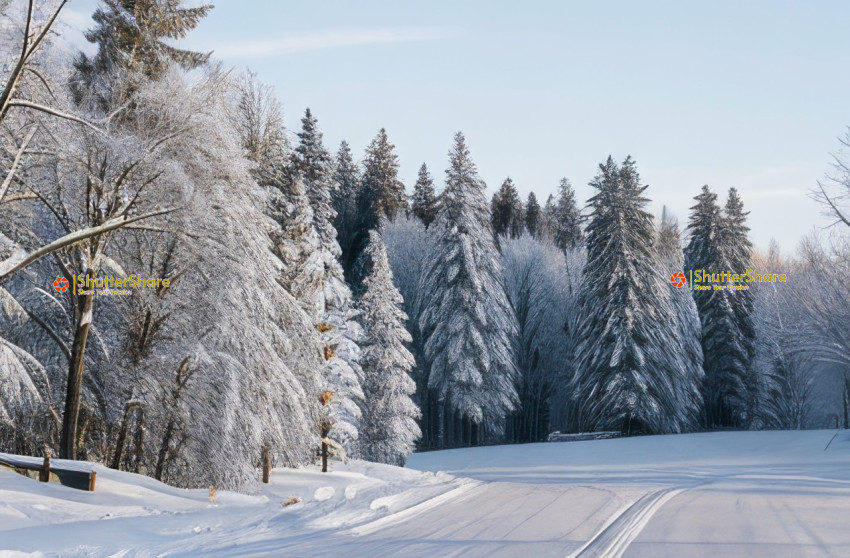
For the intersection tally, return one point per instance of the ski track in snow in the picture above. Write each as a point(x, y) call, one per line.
point(613, 540)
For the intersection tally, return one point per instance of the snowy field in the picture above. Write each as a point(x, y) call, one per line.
point(717, 494)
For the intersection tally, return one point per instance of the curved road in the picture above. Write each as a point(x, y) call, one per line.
point(717, 494)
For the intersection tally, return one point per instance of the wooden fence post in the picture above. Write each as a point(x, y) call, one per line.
point(44, 474)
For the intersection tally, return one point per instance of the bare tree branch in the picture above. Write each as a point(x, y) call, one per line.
point(19, 197)
point(832, 205)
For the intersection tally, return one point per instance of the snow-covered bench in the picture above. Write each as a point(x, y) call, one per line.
point(75, 474)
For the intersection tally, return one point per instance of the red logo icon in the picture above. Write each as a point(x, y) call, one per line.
point(61, 284)
point(677, 279)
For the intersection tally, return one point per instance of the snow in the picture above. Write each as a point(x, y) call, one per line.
point(726, 493)
point(324, 493)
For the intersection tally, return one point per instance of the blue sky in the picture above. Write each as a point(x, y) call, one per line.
point(745, 94)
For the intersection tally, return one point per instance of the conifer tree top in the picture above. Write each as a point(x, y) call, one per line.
point(313, 159)
point(464, 188)
point(131, 33)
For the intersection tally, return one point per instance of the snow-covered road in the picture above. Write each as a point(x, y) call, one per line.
point(718, 494)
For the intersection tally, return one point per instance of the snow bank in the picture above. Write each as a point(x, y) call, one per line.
point(130, 513)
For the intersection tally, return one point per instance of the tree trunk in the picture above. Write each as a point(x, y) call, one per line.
point(122, 436)
point(139, 440)
point(267, 463)
point(183, 375)
point(163, 449)
point(67, 442)
point(325, 429)
point(441, 431)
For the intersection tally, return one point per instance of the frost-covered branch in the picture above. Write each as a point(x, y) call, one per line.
point(20, 261)
point(27, 51)
point(16, 163)
point(53, 112)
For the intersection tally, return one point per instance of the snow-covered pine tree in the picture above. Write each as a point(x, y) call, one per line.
point(507, 216)
point(737, 243)
point(381, 195)
point(336, 320)
point(684, 330)
point(389, 429)
point(424, 199)
point(725, 358)
point(532, 215)
point(547, 220)
point(134, 36)
point(346, 177)
point(383, 192)
point(313, 163)
point(308, 269)
point(625, 377)
point(567, 218)
point(467, 322)
point(406, 240)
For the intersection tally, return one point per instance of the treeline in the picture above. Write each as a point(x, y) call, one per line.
point(310, 296)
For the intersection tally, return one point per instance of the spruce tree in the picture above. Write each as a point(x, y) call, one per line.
point(567, 218)
point(381, 195)
point(466, 320)
point(340, 333)
point(737, 243)
point(424, 199)
point(133, 35)
point(389, 428)
point(532, 215)
point(684, 330)
point(725, 390)
point(548, 220)
point(312, 162)
point(506, 210)
point(383, 192)
point(346, 177)
point(626, 378)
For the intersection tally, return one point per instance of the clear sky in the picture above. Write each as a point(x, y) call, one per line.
point(726, 93)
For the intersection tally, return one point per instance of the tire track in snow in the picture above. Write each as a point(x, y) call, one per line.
point(615, 537)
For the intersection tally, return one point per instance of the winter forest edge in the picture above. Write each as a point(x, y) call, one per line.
point(302, 294)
